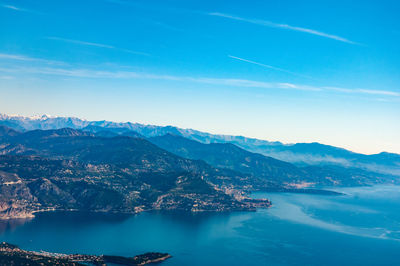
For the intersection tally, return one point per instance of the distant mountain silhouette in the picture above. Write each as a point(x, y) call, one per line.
point(227, 155)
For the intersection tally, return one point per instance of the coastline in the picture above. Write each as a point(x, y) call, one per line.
point(13, 255)
point(249, 205)
point(264, 203)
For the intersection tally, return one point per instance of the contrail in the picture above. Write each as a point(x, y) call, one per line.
point(268, 66)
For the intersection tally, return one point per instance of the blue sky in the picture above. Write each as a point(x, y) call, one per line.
point(293, 71)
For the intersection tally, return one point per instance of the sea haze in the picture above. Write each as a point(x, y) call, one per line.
point(361, 227)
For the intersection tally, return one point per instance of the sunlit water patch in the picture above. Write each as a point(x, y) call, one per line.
point(362, 211)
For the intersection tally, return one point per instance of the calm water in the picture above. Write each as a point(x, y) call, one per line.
point(361, 228)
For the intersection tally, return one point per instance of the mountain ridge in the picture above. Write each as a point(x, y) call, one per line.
point(111, 124)
point(300, 154)
point(68, 169)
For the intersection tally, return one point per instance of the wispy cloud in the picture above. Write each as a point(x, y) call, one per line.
point(65, 70)
point(268, 66)
point(90, 73)
point(365, 91)
point(19, 57)
point(270, 24)
point(16, 57)
point(12, 7)
point(81, 42)
point(100, 45)
point(16, 8)
point(104, 74)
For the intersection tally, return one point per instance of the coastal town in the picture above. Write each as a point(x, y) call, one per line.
point(13, 255)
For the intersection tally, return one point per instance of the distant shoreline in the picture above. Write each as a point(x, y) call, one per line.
point(312, 191)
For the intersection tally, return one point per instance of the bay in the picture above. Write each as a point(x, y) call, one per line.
point(361, 227)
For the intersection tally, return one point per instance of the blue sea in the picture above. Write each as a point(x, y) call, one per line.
point(361, 227)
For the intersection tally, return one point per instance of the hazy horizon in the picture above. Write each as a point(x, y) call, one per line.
point(38, 116)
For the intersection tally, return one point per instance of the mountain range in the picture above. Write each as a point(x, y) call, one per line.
point(280, 173)
point(62, 163)
point(69, 169)
point(300, 154)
